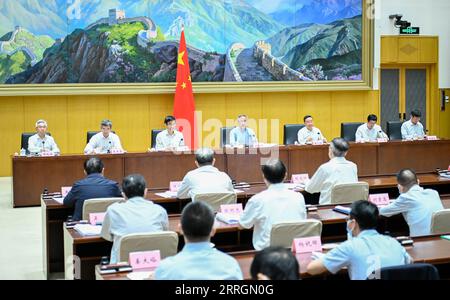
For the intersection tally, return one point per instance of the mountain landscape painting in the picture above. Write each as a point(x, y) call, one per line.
point(136, 41)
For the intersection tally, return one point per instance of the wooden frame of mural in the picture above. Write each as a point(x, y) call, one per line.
point(217, 87)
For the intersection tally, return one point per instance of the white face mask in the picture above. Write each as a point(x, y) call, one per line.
point(349, 231)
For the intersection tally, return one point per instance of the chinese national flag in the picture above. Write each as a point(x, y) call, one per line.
point(184, 106)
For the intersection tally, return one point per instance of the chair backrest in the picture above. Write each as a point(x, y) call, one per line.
point(290, 133)
point(349, 192)
point(419, 271)
point(25, 137)
point(348, 131)
point(98, 205)
point(282, 234)
point(394, 130)
point(164, 241)
point(440, 222)
point(154, 134)
point(225, 136)
point(90, 134)
point(215, 200)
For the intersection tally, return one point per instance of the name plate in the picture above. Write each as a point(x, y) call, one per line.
point(379, 199)
point(382, 140)
point(47, 154)
point(65, 190)
point(145, 259)
point(318, 142)
point(432, 138)
point(96, 218)
point(174, 186)
point(117, 151)
point(234, 209)
point(299, 178)
point(307, 245)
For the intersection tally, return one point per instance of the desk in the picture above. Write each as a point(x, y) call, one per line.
point(159, 168)
point(90, 249)
point(431, 249)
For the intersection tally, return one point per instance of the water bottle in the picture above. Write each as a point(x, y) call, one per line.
point(23, 152)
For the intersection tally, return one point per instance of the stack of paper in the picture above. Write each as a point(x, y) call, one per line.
point(167, 194)
point(445, 175)
point(342, 209)
point(88, 229)
point(228, 218)
point(59, 199)
point(295, 186)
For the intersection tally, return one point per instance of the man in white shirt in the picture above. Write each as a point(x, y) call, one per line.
point(135, 215)
point(104, 141)
point(415, 203)
point(413, 129)
point(170, 138)
point(242, 135)
point(206, 178)
point(338, 170)
point(370, 131)
point(275, 205)
point(41, 141)
point(309, 133)
point(366, 251)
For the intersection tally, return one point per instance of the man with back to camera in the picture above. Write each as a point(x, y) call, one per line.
point(104, 141)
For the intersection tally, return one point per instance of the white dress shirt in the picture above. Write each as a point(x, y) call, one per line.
point(275, 205)
point(102, 144)
point(364, 134)
point(244, 137)
point(206, 179)
point(136, 215)
point(304, 133)
point(164, 140)
point(411, 131)
point(338, 170)
point(417, 206)
point(36, 144)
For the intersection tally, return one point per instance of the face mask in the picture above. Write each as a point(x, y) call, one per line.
point(349, 231)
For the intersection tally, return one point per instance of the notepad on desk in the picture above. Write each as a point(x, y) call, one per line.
point(88, 229)
point(60, 200)
point(167, 194)
point(228, 218)
point(445, 237)
point(342, 209)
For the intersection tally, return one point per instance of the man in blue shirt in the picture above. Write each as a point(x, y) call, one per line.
point(135, 215)
point(242, 135)
point(415, 203)
point(95, 185)
point(198, 260)
point(366, 251)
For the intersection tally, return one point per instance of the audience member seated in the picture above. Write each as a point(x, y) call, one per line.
point(275, 263)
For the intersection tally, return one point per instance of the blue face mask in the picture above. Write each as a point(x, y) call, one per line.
point(349, 232)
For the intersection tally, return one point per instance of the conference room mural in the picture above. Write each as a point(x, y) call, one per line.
point(128, 41)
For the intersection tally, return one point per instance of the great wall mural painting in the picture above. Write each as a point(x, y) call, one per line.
point(131, 41)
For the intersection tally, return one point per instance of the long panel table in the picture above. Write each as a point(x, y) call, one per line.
point(32, 175)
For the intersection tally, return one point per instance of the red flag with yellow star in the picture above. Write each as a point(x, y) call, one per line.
point(184, 106)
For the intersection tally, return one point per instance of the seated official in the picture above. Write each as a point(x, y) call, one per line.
point(135, 215)
point(338, 170)
point(370, 131)
point(41, 141)
point(413, 129)
point(198, 260)
point(170, 138)
point(416, 204)
point(275, 205)
point(104, 141)
point(242, 135)
point(95, 185)
point(206, 178)
point(275, 263)
point(309, 133)
point(366, 251)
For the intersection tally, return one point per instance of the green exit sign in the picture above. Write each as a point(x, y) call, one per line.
point(410, 30)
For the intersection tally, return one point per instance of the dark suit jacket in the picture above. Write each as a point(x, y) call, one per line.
point(93, 186)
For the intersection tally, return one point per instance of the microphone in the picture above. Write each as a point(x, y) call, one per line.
point(110, 146)
point(43, 146)
point(179, 144)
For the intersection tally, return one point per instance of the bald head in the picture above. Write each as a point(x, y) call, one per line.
point(407, 178)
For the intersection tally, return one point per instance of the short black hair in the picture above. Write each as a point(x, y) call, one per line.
point(306, 117)
point(365, 213)
point(134, 186)
point(277, 263)
point(372, 118)
point(416, 113)
point(93, 165)
point(407, 178)
point(339, 147)
point(197, 221)
point(274, 171)
point(169, 119)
